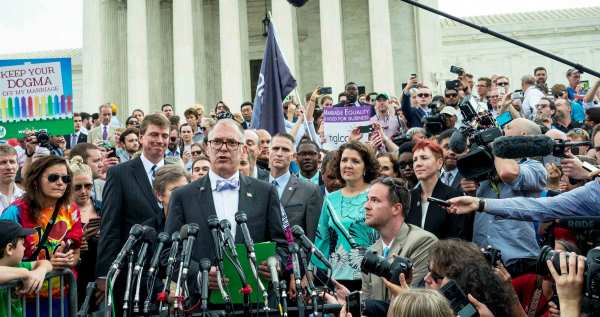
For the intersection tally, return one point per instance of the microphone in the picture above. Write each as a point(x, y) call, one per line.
point(512, 147)
point(241, 219)
point(272, 264)
point(457, 142)
point(162, 238)
point(228, 237)
point(175, 238)
point(188, 233)
point(214, 226)
point(283, 309)
point(135, 233)
point(148, 238)
point(293, 250)
point(308, 245)
point(205, 267)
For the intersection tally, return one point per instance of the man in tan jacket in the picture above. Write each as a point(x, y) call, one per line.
point(384, 211)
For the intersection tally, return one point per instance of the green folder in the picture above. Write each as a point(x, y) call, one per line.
point(263, 251)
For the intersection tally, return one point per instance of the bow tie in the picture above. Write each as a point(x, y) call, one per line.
point(224, 184)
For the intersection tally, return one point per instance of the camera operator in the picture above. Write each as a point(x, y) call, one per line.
point(513, 178)
point(387, 201)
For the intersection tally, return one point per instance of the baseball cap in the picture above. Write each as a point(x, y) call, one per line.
point(382, 95)
point(10, 230)
point(449, 111)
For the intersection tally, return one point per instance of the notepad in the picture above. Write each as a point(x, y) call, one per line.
point(263, 250)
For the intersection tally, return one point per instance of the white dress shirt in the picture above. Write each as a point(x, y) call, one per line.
point(226, 202)
point(6, 200)
point(531, 98)
point(148, 167)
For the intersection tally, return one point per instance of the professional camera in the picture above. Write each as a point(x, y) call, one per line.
point(591, 286)
point(479, 131)
point(561, 146)
point(43, 138)
point(378, 265)
point(492, 255)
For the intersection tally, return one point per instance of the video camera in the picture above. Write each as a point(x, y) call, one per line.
point(478, 132)
point(434, 124)
point(378, 265)
point(43, 138)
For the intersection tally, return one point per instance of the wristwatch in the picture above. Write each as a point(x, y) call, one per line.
point(481, 205)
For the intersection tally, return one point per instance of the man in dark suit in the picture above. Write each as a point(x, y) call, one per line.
point(223, 192)
point(301, 200)
point(450, 175)
point(414, 114)
point(78, 136)
point(128, 197)
point(351, 90)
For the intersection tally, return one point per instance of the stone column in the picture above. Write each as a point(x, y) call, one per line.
point(429, 43)
point(138, 90)
point(188, 53)
point(283, 16)
point(382, 59)
point(233, 35)
point(332, 46)
point(92, 68)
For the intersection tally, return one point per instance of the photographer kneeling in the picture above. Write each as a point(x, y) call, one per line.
point(384, 211)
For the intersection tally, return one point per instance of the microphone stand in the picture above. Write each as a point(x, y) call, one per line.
point(283, 309)
point(128, 284)
point(293, 250)
point(177, 303)
point(483, 29)
point(310, 282)
point(213, 225)
point(163, 308)
point(137, 273)
point(233, 256)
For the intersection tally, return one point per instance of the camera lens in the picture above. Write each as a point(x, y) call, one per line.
point(377, 265)
point(546, 254)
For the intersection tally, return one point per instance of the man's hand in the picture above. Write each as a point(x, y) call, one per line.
point(410, 83)
point(394, 289)
point(569, 284)
point(463, 204)
point(469, 186)
point(573, 168)
point(30, 142)
point(213, 280)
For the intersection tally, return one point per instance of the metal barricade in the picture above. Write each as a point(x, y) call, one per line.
point(67, 274)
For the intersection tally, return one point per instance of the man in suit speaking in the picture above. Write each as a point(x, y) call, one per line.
point(224, 191)
point(387, 201)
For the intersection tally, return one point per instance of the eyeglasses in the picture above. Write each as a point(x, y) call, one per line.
point(87, 186)
point(435, 276)
point(423, 95)
point(229, 144)
point(53, 178)
point(196, 152)
point(451, 95)
point(405, 164)
point(502, 84)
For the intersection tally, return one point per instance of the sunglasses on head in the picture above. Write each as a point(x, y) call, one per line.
point(78, 187)
point(423, 95)
point(53, 178)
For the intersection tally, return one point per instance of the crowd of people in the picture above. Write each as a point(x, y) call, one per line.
point(69, 201)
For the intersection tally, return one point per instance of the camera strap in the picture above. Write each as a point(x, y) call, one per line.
point(44, 238)
point(535, 300)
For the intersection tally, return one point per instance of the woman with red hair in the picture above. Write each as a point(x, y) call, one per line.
point(428, 159)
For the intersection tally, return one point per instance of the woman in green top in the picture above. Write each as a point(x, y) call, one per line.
point(342, 234)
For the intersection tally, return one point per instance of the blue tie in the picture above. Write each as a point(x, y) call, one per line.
point(386, 250)
point(224, 184)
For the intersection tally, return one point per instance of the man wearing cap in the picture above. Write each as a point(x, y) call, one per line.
point(389, 121)
point(450, 116)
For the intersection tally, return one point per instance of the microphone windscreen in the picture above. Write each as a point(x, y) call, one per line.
point(175, 236)
point(163, 237)
point(240, 217)
point(272, 261)
point(150, 235)
point(213, 222)
point(136, 230)
point(225, 224)
point(457, 142)
point(513, 147)
point(205, 264)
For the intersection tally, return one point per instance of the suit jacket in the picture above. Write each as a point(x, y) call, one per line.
point(82, 138)
point(96, 134)
point(193, 203)
point(414, 116)
point(456, 181)
point(302, 202)
point(262, 174)
point(411, 242)
point(127, 199)
point(438, 221)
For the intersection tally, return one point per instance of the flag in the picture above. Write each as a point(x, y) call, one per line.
point(275, 82)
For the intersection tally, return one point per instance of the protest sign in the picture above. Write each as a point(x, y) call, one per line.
point(35, 94)
point(340, 121)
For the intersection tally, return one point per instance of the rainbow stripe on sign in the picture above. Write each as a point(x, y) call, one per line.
point(15, 109)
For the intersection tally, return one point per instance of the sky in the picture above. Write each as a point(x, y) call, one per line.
point(44, 25)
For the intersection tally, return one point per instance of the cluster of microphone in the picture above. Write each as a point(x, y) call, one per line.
point(143, 240)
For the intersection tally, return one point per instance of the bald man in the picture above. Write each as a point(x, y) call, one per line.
point(524, 177)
